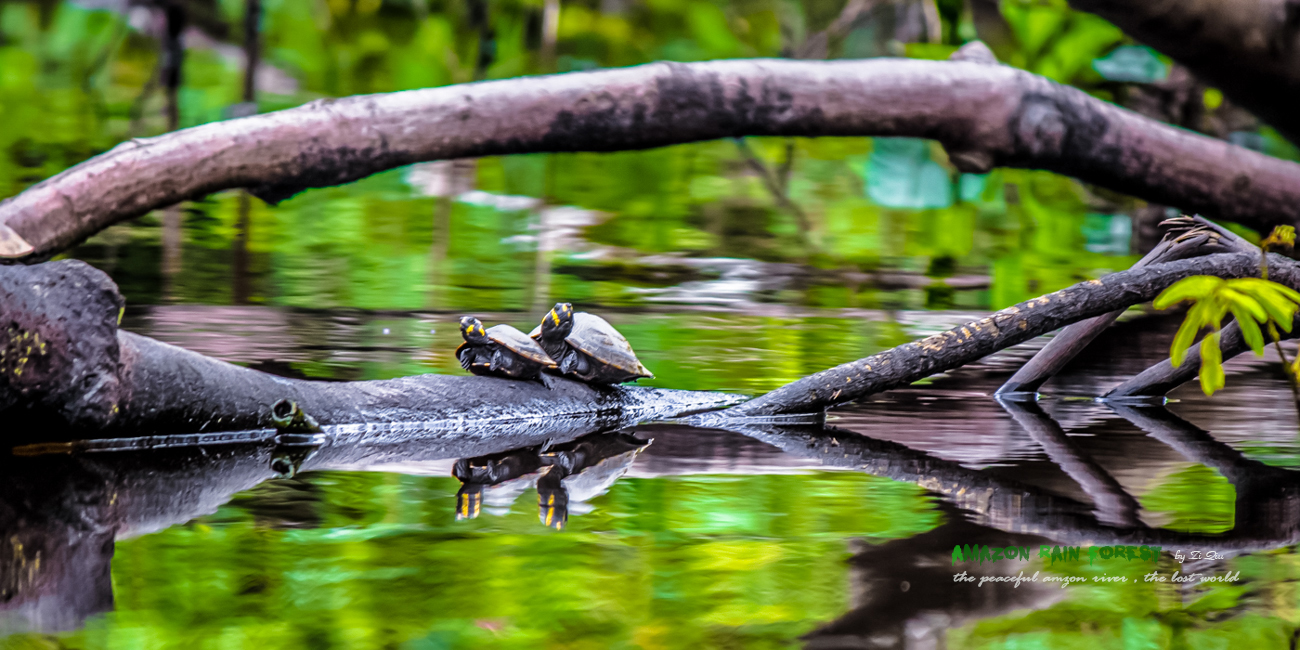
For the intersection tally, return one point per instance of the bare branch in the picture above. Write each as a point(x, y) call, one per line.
point(907, 363)
point(985, 115)
point(1190, 237)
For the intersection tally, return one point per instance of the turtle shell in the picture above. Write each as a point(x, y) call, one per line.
point(595, 337)
point(519, 343)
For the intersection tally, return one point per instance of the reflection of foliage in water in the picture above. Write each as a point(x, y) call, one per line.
point(1196, 499)
point(692, 562)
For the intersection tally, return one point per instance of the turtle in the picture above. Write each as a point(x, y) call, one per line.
point(501, 351)
point(587, 347)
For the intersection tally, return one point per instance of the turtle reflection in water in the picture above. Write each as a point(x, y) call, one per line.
point(588, 347)
point(566, 476)
point(475, 474)
point(501, 351)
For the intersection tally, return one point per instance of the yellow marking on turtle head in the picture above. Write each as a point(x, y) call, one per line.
point(555, 317)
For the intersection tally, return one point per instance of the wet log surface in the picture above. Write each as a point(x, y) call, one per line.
point(986, 115)
point(67, 371)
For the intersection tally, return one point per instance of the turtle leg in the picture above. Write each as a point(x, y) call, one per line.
point(546, 380)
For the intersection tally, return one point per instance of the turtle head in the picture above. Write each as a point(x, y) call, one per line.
point(473, 331)
point(558, 322)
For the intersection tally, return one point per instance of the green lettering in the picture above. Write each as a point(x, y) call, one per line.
point(956, 555)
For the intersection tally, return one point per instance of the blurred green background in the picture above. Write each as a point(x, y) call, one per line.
point(830, 236)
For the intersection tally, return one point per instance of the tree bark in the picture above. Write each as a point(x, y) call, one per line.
point(986, 116)
point(907, 363)
point(66, 370)
point(1250, 49)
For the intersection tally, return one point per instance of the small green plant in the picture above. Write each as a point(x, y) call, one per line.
point(1257, 304)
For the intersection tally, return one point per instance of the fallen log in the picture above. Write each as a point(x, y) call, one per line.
point(67, 371)
point(985, 115)
point(907, 363)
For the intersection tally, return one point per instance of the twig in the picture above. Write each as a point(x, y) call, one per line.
point(776, 187)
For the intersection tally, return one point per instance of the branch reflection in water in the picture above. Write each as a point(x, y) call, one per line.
point(61, 514)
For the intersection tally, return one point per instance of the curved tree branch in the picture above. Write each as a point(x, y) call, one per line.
point(907, 363)
point(986, 116)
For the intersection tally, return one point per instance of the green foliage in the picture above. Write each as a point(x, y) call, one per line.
point(1251, 301)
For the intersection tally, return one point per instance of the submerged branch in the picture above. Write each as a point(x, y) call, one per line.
point(1189, 237)
point(985, 115)
point(1163, 377)
point(961, 345)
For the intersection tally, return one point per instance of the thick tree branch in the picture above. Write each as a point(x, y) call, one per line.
point(1247, 48)
point(907, 363)
point(986, 116)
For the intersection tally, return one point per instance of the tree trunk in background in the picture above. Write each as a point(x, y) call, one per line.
point(252, 47)
point(1249, 49)
point(550, 33)
point(173, 58)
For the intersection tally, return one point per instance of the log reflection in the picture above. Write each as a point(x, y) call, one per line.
point(61, 513)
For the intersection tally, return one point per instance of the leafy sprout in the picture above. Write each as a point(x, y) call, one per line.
point(1251, 301)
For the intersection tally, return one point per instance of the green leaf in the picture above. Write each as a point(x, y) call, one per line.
point(1196, 287)
point(1280, 310)
point(1250, 331)
point(1239, 301)
point(1212, 378)
point(1183, 339)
